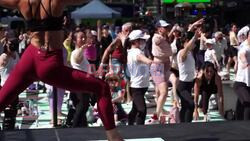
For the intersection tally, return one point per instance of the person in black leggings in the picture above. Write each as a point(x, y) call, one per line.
point(207, 83)
point(81, 103)
point(186, 65)
point(139, 111)
point(138, 67)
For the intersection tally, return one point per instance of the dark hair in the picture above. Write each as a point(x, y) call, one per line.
point(12, 46)
point(233, 24)
point(207, 65)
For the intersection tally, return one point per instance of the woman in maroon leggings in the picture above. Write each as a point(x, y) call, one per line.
point(43, 60)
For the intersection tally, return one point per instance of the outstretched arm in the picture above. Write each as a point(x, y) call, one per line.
point(109, 51)
point(12, 4)
point(144, 59)
point(188, 46)
point(220, 94)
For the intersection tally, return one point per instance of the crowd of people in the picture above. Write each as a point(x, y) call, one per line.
point(110, 64)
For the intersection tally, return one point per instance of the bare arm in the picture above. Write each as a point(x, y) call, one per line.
point(188, 46)
point(99, 31)
point(195, 24)
point(197, 91)
point(119, 98)
point(220, 94)
point(197, 85)
point(172, 31)
point(12, 4)
point(108, 51)
point(215, 60)
point(144, 59)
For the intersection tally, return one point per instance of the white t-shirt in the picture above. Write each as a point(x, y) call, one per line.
point(209, 55)
point(83, 65)
point(219, 47)
point(139, 72)
point(186, 68)
point(243, 74)
point(5, 71)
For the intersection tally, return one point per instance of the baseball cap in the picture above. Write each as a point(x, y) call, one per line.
point(162, 23)
point(210, 41)
point(138, 34)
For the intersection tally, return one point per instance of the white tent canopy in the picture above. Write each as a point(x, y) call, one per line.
point(94, 10)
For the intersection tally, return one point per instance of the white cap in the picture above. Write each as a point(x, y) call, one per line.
point(162, 23)
point(210, 41)
point(93, 32)
point(138, 34)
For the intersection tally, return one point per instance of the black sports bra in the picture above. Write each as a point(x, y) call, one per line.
point(51, 23)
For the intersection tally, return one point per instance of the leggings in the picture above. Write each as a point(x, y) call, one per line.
point(82, 102)
point(139, 110)
point(243, 102)
point(47, 66)
point(184, 91)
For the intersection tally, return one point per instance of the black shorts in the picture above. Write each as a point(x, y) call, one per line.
point(232, 52)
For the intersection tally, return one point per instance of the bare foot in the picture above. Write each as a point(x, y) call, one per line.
point(113, 135)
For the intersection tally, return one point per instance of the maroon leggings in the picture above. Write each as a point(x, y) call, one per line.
point(48, 67)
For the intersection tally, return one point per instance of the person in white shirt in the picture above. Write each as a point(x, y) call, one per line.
point(8, 61)
point(186, 65)
point(242, 82)
point(80, 100)
point(220, 44)
point(138, 67)
point(210, 54)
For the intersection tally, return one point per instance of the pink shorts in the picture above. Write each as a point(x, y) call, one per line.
point(160, 72)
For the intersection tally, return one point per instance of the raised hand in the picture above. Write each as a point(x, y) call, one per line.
point(199, 22)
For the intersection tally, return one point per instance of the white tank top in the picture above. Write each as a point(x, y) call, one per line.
point(139, 72)
point(5, 71)
point(83, 65)
point(243, 75)
point(186, 68)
